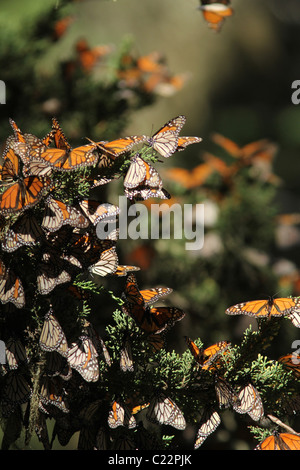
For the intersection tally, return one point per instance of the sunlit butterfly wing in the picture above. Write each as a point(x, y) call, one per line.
point(247, 398)
point(152, 295)
point(11, 288)
point(83, 357)
point(165, 140)
point(96, 211)
point(120, 415)
point(184, 142)
point(163, 410)
point(123, 270)
point(58, 214)
point(291, 362)
point(119, 146)
point(215, 14)
point(68, 160)
point(136, 173)
point(143, 193)
point(52, 336)
point(107, 264)
point(263, 308)
point(60, 140)
point(209, 422)
point(283, 441)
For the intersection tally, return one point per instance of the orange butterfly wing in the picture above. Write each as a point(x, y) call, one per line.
point(263, 308)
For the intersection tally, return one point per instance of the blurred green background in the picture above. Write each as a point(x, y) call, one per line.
point(239, 85)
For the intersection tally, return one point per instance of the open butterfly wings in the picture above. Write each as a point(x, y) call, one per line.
point(283, 441)
point(150, 320)
point(289, 307)
point(215, 14)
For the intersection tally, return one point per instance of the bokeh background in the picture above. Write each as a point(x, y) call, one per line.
point(237, 83)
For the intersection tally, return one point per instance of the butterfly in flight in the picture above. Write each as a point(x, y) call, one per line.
point(215, 13)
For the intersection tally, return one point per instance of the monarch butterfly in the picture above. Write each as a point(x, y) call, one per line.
point(22, 193)
point(51, 272)
point(142, 193)
point(120, 415)
point(16, 389)
point(26, 231)
point(68, 160)
point(150, 320)
point(11, 288)
point(57, 365)
point(83, 357)
point(58, 213)
point(153, 294)
point(52, 392)
point(15, 353)
point(119, 146)
point(209, 422)
point(52, 335)
point(283, 441)
point(206, 357)
point(226, 395)
point(60, 140)
point(165, 140)
point(141, 172)
point(215, 14)
point(107, 263)
point(190, 178)
point(123, 270)
point(126, 360)
point(267, 308)
point(156, 341)
point(96, 211)
point(184, 142)
point(250, 402)
point(291, 362)
point(163, 410)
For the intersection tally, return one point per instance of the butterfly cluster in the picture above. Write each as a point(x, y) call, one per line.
point(48, 242)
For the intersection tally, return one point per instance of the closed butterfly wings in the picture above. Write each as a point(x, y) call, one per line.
point(120, 415)
point(209, 422)
point(163, 410)
point(11, 288)
point(52, 336)
point(83, 357)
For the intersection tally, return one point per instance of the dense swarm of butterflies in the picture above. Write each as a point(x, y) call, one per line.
point(215, 13)
point(46, 241)
point(54, 240)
